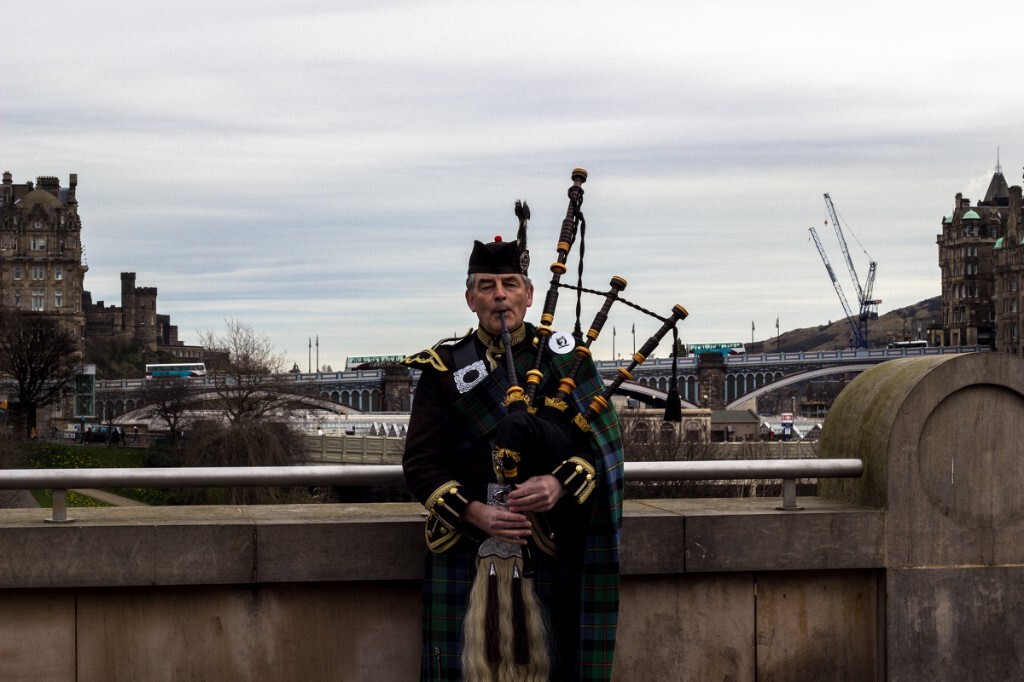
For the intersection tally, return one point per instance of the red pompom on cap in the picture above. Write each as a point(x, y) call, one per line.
point(497, 237)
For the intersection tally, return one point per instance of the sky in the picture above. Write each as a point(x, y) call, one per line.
point(319, 170)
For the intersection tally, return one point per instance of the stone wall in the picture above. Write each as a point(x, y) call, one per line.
point(332, 591)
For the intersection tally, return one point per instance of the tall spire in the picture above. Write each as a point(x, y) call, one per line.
point(998, 193)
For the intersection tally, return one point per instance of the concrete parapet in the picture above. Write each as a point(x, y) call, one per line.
point(332, 591)
point(941, 439)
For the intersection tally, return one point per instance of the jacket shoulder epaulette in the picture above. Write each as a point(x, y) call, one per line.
point(429, 357)
point(425, 358)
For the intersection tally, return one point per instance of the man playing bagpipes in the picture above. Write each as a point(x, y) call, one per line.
point(523, 511)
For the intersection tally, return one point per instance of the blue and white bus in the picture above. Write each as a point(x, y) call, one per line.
point(181, 370)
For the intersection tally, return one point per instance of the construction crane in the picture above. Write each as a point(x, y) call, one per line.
point(868, 304)
point(858, 334)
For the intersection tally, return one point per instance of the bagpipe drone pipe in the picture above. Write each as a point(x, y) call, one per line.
point(553, 428)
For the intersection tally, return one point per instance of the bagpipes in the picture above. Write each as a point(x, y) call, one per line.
point(504, 631)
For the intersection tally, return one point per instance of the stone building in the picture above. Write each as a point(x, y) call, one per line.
point(42, 269)
point(981, 271)
point(1009, 280)
point(136, 319)
point(41, 263)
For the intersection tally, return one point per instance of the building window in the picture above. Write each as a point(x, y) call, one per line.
point(38, 299)
point(39, 243)
point(38, 272)
point(58, 272)
point(58, 298)
point(17, 272)
point(17, 299)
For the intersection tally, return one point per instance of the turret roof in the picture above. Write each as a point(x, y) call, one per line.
point(41, 197)
point(997, 189)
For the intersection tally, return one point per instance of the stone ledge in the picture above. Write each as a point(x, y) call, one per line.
point(213, 545)
point(749, 534)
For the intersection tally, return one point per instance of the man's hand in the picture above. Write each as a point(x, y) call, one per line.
point(500, 524)
point(536, 494)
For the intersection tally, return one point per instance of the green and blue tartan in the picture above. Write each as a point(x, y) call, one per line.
point(449, 575)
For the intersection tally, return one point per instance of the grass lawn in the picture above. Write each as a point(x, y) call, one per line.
point(68, 456)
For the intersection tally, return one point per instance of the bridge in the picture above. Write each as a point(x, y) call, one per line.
point(909, 572)
point(734, 380)
point(708, 380)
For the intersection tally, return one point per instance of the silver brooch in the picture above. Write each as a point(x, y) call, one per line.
point(470, 375)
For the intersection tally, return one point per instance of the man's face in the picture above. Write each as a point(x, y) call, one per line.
point(495, 295)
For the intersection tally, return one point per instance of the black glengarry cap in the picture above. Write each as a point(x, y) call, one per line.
point(498, 258)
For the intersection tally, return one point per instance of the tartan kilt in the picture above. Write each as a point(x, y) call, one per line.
point(446, 588)
point(447, 582)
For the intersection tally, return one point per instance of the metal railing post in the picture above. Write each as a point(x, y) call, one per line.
point(59, 514)
point(789, 495)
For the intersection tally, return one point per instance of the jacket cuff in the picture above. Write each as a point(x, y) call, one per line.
point(445, 508)
point(578, 476)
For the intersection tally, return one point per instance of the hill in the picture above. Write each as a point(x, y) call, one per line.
point(896, 325)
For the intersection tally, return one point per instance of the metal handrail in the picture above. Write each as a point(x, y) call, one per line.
point(62, 480)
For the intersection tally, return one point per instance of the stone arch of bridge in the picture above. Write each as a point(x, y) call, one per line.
point(361, 399)
point(741, 383)
point(114, 408)
point(791, 379)
point(776, 380)
point(299, 400)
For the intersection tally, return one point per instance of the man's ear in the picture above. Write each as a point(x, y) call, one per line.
point(529, 295)
point(469, 301)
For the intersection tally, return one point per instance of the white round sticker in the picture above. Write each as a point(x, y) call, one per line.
point(561, 343)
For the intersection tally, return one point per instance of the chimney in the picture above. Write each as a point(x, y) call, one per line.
point(72, 184)
point(49, 184)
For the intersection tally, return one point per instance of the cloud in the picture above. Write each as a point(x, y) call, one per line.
point(322, 168)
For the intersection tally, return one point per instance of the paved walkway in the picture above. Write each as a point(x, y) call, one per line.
point(17, 499)
point(110, 498)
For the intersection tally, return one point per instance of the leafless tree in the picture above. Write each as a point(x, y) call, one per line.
point(171, 400)
point(41, 357)
point(247, 388)
point(247, 374)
